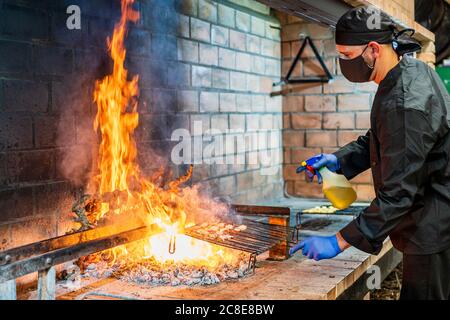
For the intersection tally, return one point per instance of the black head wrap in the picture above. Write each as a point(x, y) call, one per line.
point(361, 25)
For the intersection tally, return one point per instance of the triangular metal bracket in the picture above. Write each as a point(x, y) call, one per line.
point(321, 79)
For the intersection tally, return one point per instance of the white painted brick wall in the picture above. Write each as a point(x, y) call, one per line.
point(233, 56)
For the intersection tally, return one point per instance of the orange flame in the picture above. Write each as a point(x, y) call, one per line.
point(116, 120)
point(114, 95)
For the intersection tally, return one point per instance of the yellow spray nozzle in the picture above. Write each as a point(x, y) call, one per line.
point(303, 163)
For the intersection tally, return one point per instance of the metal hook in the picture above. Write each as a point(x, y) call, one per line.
point(172, 244)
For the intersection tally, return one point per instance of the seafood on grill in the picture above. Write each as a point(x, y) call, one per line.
point(218, 231)
point(321, 209)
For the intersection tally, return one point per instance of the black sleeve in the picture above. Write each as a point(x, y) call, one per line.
point(406, 137)
point(354, 157)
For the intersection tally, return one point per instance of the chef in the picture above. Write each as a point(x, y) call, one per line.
point(408, 150)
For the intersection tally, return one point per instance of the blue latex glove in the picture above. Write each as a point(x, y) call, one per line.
point(318, 248)
point(318, 161)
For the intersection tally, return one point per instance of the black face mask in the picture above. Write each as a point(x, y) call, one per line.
point(356, 70)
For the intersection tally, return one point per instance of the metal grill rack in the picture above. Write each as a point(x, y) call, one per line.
point(44, 255)
point(259, 237)
point(353, 210)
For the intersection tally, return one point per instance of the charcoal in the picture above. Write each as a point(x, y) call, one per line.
point(152, 273)
point(107, 273)
point(175, 282)
point(232, 274)
point(197, 274)
point(92, 266)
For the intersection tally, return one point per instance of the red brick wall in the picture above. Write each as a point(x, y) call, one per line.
point(319, 117)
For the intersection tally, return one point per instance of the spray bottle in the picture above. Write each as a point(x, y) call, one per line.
point(335, 187)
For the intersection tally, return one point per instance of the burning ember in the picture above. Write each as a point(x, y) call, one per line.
point(123, 193)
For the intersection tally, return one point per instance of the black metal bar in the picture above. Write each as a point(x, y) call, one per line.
point(260, 210)
point(252, 262)
point(238, 246)
point(253, 241)
point(228, 244)
point(309, 80)
point(268, 236)
point(265, 225)
point(246, 246)
point(274, 232)
point(288, 80)
point(264, 237)
point(325, 12)
point(269, 225)
point(297, 57)
point(46, 260)
point(319, 57)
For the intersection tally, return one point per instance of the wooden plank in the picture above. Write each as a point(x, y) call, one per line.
point(8, 290)
point(47, 284)
point(386, 263)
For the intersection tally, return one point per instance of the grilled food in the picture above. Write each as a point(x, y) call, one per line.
point(219, 230)
point(321, 209)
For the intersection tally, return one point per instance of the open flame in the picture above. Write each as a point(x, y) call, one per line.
point(117, 117)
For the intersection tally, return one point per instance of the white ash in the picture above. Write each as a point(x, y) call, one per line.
point(152, 273)
point(70, 277)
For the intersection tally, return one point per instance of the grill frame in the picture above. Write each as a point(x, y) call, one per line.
point(249, 240)
point(259, 237)
point(44, 255)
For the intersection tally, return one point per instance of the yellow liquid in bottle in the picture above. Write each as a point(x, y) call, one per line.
point(340, 197)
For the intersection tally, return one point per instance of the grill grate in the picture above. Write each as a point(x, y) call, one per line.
point(352, 210)
point(259, 236)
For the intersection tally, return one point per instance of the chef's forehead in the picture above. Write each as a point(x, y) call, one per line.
point(349, 49)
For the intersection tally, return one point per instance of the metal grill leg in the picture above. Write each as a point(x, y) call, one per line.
point(8, 290)
point(252, 263)
point(47, 284)
point(298, 223)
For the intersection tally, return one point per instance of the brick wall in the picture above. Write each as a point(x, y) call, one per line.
point(402, 10)
point(231, 56)
point(319, 117)
point(198, 60)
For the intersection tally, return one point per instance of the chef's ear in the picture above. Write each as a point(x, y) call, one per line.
point(374, 49)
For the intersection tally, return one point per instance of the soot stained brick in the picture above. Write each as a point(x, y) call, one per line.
point(31, 166)
point(16, 204)
point(16, 132)
point(14, 56)
point(30, 96)
point(49, 60)
point(23, 23)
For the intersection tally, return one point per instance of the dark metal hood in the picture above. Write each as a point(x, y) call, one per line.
point(326, 12)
